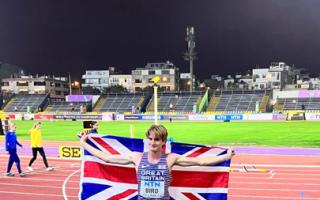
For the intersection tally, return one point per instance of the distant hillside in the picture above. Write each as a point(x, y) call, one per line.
point(6, 70)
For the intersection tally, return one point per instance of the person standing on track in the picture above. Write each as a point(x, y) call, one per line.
point(153, 168)
point(11, 147)
point(36, 144)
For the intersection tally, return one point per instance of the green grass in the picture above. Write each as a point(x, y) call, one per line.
point(288, 134)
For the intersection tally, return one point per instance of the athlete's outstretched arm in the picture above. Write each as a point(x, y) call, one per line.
point(203, 161)
point(116, 159)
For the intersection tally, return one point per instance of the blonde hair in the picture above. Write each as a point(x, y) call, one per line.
point(159, 131)
point(35, 125)
point(12, 124)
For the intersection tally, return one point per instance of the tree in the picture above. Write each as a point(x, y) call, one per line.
point(115, 89)
point(91, 90)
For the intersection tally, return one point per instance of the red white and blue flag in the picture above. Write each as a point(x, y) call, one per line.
point(101, 180)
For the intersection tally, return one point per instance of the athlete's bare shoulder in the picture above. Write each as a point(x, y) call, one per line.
point(136, 157)
point(171, 159)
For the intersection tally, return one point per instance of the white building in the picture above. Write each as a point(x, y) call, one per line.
point(308, 83)
point(96, 79)
point(216, 77)
point(168, 73)
point(245, 83)
point(57, 87)
point(275, 77)
point(185, 76)
point(314, 83)
point(125, 80)
point(228, 82)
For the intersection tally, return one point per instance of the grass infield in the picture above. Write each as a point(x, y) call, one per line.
point(284, 134)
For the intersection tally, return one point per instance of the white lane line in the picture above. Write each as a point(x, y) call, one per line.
point(267, 178)
point(41, 186)
point(272, 173)
point(276, 189)
point(280, 166)
point(35, 179)
point(38, 194)
point(65, 183)
point(273, 183)
point(272, 197)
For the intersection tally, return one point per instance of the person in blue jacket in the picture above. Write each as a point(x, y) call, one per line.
point(11, 147)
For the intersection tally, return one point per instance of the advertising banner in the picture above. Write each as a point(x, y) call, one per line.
point(229, 117)
point(28, 116)
point(201, 117)
point(43, 117)
point(176, 117)
point(132, 117)
point(312, 116)
point(258, 117)
point(151, 117)
point(78, 117)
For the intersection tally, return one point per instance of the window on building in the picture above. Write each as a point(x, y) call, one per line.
point(152, 72)
point(165, 72)
point(39, 83)
point(137, 72)
point(22, 83)
point(138, 81)
point(5, 83)
point(165, 79)
point(57, 85)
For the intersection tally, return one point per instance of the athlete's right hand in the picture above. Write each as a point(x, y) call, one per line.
point(83, 139)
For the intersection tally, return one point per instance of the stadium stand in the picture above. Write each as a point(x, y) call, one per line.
point(120, 103)
point(309, 103)
point(63, 106)
point(242, 101)
point(180, 102)
point(26, 103)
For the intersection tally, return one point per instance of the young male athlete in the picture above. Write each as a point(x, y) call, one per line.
point(154, 167)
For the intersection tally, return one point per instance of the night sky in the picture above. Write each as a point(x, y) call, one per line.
point(56, 37)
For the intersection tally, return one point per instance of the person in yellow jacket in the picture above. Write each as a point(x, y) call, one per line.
point(36, 144)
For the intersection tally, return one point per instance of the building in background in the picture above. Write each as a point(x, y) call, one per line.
point(167, 71)
point(185, 82)
point(275, 77)
point(98, 79)
point(124, 80)
point(56, 87)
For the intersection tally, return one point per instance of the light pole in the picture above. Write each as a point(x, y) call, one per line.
point(70, 86)
point(190, 55)
point(155, 80)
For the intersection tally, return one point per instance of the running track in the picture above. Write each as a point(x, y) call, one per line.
point(292, 174)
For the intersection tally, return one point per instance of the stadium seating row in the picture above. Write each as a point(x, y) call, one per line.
point(221, 101)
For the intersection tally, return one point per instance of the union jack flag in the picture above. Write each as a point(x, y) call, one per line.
point(101, 180)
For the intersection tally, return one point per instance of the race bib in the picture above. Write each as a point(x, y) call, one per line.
point(152, 189)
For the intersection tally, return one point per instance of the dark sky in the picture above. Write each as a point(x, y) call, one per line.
point(231, 36)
